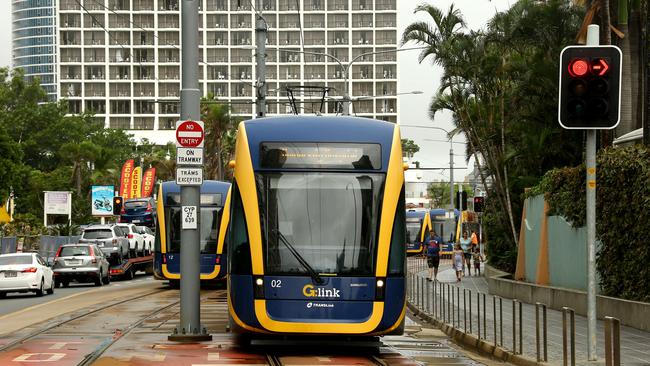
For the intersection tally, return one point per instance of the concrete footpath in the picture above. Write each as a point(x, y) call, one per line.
point(635, 344)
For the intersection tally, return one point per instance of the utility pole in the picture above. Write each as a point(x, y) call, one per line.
point(190, 328)
point(451, 178)
point(261, 30)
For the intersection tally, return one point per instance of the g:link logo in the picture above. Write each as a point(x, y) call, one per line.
point(310, 291)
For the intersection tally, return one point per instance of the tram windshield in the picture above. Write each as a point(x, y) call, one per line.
point(330, 219)
point(413, 226)
point(209, 229)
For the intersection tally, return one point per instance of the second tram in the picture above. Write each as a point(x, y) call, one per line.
point(316, 241)
point(215, 197)
point(418, 223)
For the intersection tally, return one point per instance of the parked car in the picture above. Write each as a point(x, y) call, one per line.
point(25, 272)
point(111, 239)
point(140, 211)
point(148, 236)
point(81, 263)
point(136, 241)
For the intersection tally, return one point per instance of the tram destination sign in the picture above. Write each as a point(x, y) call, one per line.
point(189, 156)
point(320, 155)
point(189, 176)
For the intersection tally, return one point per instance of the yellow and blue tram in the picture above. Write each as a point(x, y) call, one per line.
point(418, 223)
point(215, 197)
point(317, 232)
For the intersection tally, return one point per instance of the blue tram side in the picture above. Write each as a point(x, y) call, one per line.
point(215, 198)
point(317, 232)
point(418, 223)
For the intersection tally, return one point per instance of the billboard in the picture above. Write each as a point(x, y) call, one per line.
point(102, 200)
point(58, 203)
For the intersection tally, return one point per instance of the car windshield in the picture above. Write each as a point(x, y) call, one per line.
point(329, 218)
point(74, 251)
point(15, 259)
point(98, 234)
point(135, 204)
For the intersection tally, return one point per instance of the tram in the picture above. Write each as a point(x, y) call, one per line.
point(418, 223)
point(215, 197)
point(445, 227)
point(317, 232)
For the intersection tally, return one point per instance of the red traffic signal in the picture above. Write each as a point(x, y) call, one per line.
point(479, 203)
point(599, 66)
point(578, 67)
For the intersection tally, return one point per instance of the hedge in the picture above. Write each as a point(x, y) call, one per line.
point(622, 213)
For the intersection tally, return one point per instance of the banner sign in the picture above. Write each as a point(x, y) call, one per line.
point(136, 182)
point(125, 179)
point(58, 203)
point(148, 182)
point(102, 200)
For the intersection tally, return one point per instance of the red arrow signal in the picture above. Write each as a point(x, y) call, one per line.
point(599, 66)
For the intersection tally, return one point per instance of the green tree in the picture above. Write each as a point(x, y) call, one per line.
point(218, 124)
point(409, 148)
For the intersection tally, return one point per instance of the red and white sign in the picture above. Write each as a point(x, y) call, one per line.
point(189, 134)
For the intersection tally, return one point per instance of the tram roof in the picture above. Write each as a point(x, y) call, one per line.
point(208, 186)
point(415, 213)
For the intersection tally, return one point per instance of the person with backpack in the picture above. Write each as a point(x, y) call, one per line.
point(433, 256)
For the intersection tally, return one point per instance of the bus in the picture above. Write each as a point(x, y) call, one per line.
point(215, 196)
point(317, 231)
point(418, 223)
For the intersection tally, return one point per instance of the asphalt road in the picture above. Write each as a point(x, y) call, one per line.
point(18, 301)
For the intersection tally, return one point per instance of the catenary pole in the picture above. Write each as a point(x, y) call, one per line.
point(593, 34)
point(190, 328)
point(261, 30)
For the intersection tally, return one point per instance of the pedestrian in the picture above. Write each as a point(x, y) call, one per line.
point(466, 246)
point(457, 263)
point(474, 238)
point(433, 256)
point(478, 258)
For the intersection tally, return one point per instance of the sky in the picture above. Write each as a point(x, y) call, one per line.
point(413, 76)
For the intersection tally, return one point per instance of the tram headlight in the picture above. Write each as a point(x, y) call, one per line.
point(258, 288)
point(380, 289)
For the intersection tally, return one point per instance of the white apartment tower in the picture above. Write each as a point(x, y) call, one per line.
point(121, 58)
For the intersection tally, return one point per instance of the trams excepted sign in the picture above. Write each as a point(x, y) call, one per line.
point(188, 217)
point(189, 134)
point(189, 176)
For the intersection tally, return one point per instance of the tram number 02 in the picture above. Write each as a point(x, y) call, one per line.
point(276, 283)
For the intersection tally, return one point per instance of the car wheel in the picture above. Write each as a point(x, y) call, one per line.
point(98, 280)
point(107, 279)
point(40, 291)
point(50, 291)
point(65, 283)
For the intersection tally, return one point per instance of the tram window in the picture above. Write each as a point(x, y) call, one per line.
point(329, 218)
point(240, 262)
point(206, 199)
point(209, 230)
point(396, 260)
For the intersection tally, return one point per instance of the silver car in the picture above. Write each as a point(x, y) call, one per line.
point(111, 239)
point(81, 263)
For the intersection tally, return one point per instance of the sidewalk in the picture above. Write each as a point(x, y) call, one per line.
point(635, 344)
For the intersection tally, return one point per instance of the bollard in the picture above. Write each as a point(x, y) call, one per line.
point(464, 311)
point(470, 310)
point(484, 319)
point(478, 313)
point(514, 326)
point(612, 341)
point(540, 357)
point(565, 311)
point(494, 320)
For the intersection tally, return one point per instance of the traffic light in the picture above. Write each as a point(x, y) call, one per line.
point(590, 87)
point(117, 205)
point(461, 200)
point(479, 203)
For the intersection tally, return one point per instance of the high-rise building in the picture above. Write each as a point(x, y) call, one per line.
point(121, 58)
point(34, 41)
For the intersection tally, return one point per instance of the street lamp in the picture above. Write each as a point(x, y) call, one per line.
point(451, 160)
point(346, 70)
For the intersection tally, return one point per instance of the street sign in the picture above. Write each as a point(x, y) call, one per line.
point(189, 156)
point(189, 134)
point(188, 217)
point(189, 176)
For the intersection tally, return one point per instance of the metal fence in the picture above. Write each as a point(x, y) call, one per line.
point(466, 311)
point(45, 245)
point(8, 244)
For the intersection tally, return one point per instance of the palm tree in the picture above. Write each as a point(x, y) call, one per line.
point(218, 122)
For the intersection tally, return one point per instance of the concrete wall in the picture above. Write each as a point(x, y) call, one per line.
point(632, 313)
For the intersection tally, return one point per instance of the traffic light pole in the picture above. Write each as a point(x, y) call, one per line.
point(593, 34)
point(190, 328)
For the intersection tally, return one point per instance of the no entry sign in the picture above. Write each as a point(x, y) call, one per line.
point(189, 134)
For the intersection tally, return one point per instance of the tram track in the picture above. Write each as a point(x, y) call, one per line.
point(83, 314)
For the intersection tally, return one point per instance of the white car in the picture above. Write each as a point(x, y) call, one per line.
point(136, 241)
point(25, 272)
point(149, 238)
